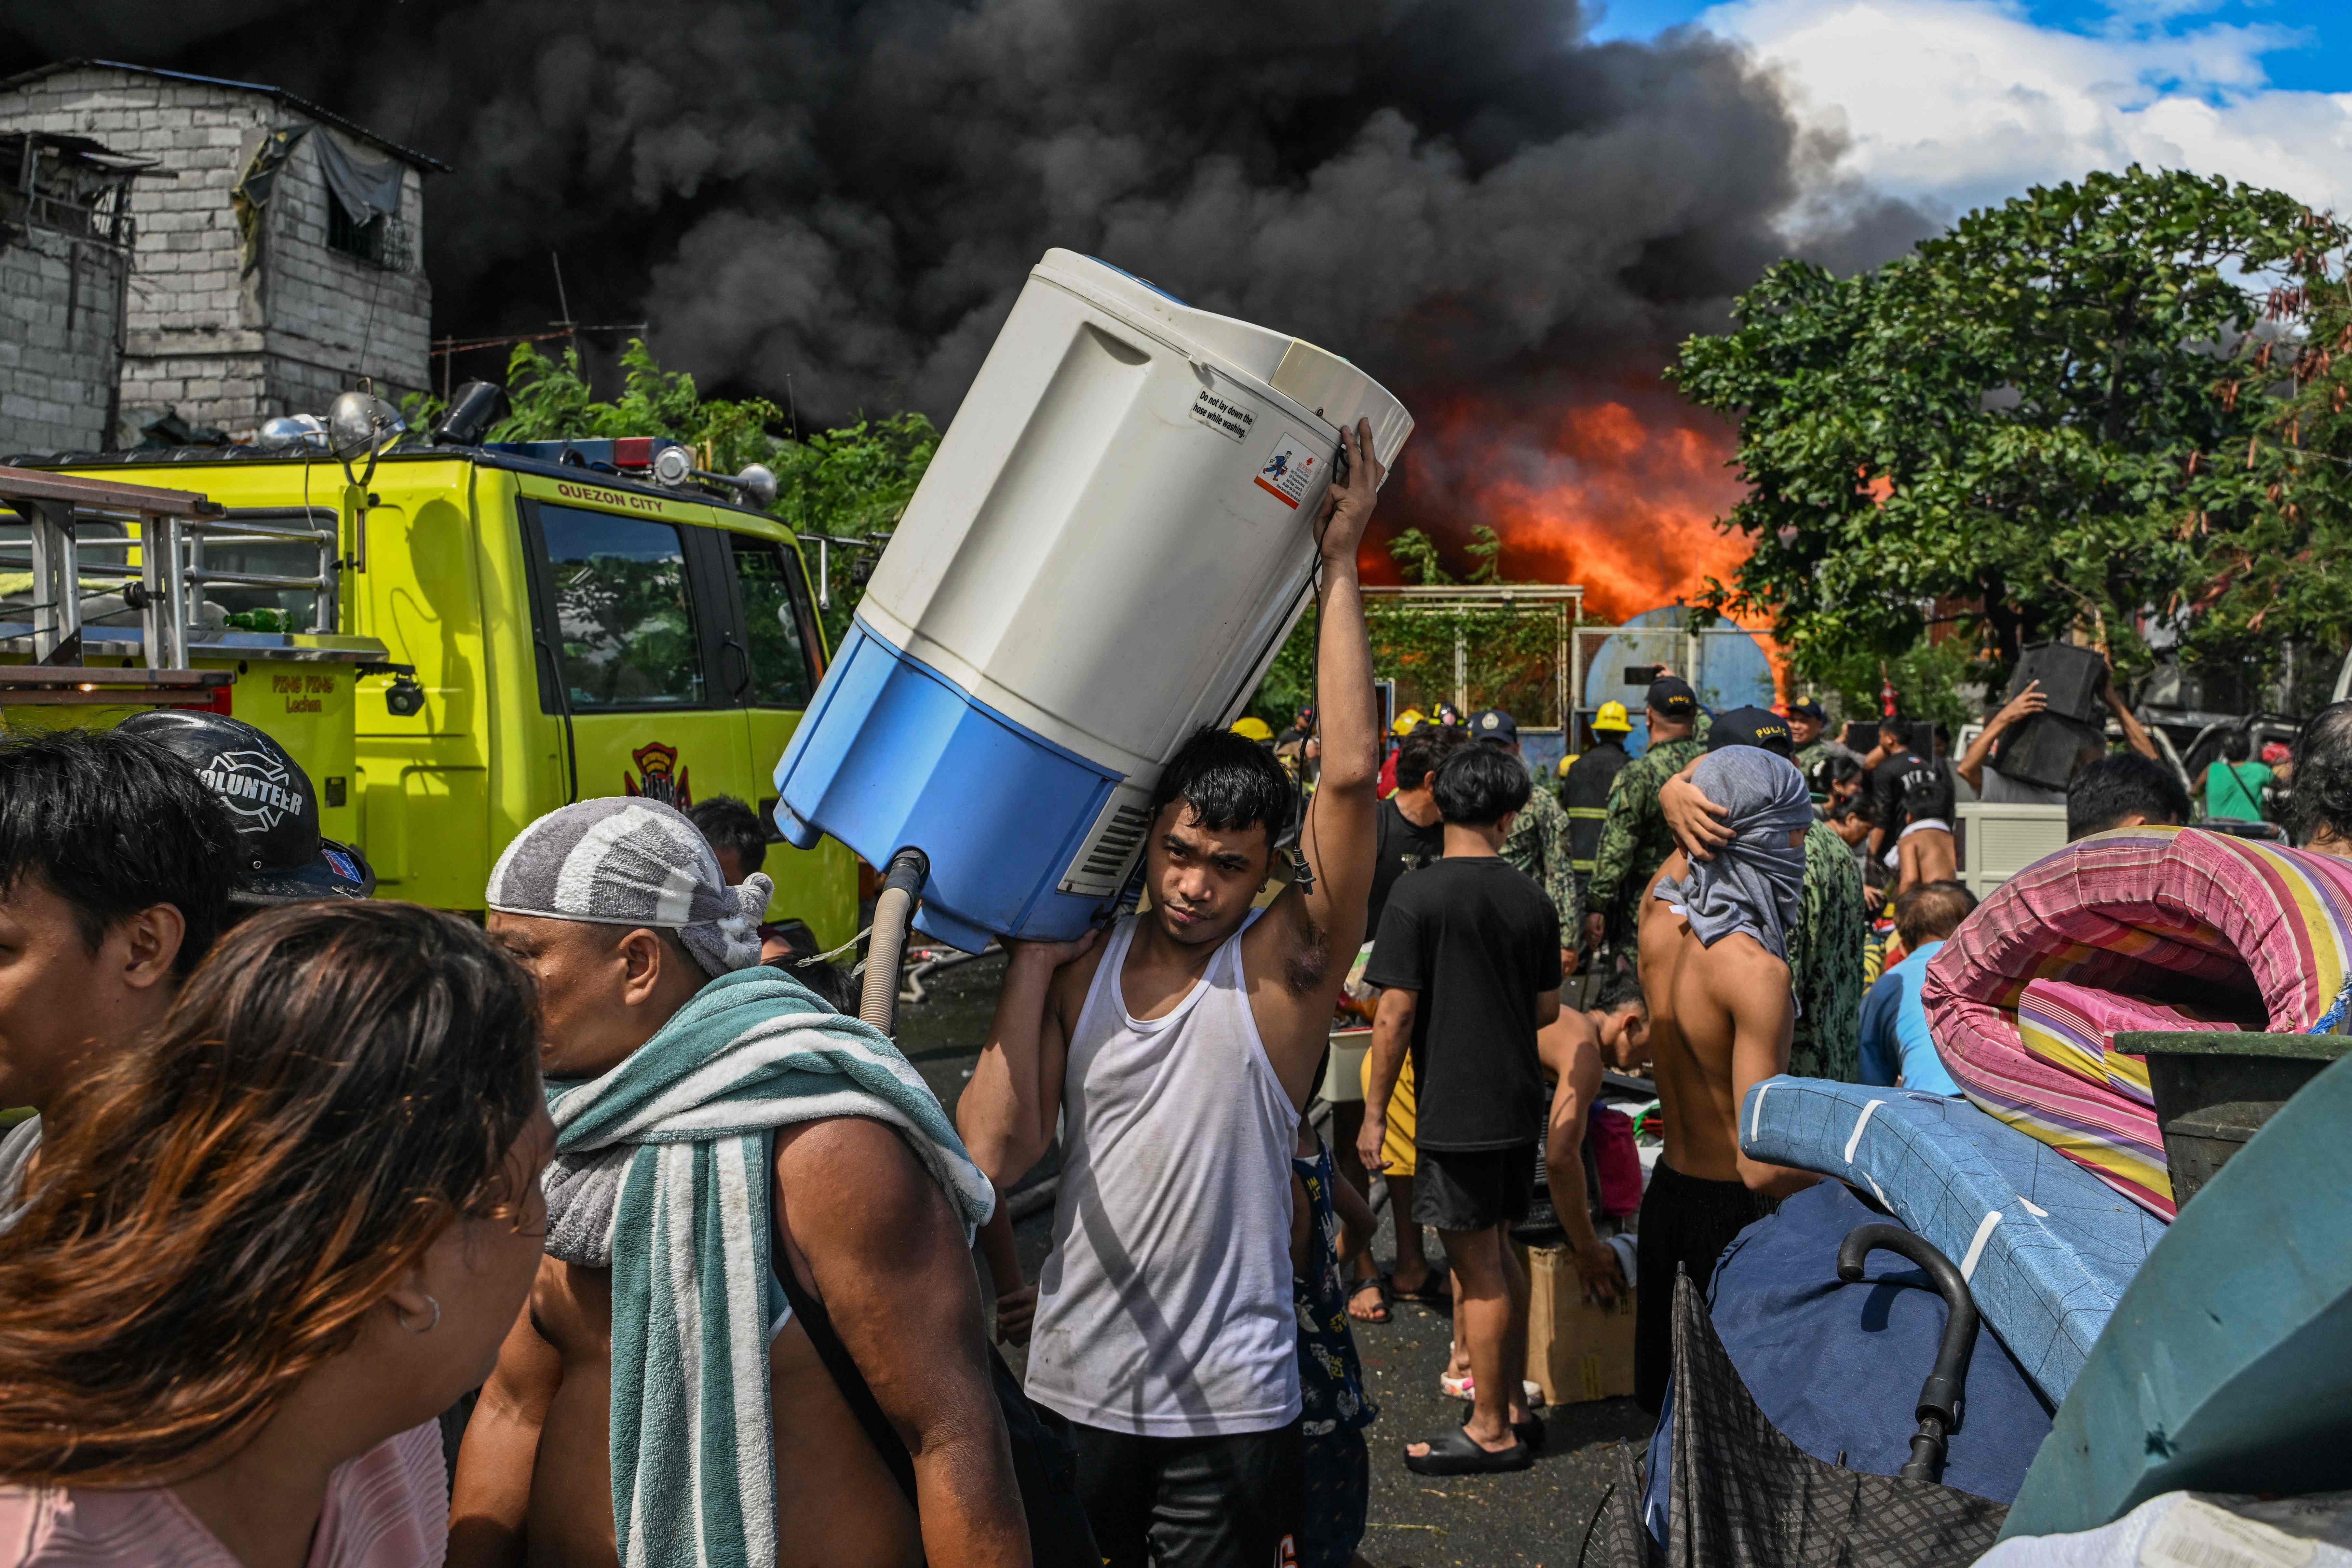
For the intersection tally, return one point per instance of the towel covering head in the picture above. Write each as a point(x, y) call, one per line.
point(1755, 882)
point(625, 860)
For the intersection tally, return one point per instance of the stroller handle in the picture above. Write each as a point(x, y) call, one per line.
point(1938, 1409)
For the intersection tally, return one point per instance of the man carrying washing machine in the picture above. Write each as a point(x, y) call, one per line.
point(1178, 1053)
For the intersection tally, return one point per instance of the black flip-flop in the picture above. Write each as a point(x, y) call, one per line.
point(1432, 1292)
point(1379, 1283)
point(1530, 1433)
point(1454, 1454)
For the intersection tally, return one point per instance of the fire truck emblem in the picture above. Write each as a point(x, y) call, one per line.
point(658, 776)
point(252, 786)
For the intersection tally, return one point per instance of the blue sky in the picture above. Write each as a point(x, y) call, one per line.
point(1955, 103)
point(2317, 57)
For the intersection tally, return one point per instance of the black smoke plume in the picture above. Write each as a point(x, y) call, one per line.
point(833, 204)
point(1457, 194)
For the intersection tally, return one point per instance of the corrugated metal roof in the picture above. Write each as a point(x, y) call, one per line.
point(301, 105)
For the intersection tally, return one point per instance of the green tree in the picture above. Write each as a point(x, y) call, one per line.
point(1928, 678)
point(2280, 578)
point(852, 483)
point(2058, 415)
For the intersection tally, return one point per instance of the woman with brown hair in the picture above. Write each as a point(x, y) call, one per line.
point(280, 1237)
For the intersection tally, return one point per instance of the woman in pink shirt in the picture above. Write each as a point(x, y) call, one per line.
point(279, 1237)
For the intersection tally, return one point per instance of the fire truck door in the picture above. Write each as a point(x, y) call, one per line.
point(635, 612)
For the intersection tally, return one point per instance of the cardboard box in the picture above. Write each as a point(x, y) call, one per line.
point(1577, 1350)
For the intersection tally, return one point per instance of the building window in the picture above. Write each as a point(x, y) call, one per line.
point(382, 241)
point(364, 241)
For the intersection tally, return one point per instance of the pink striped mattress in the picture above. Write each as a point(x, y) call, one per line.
point(2144, 928)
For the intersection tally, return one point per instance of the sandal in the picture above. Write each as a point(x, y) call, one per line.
point(1456, 1453)
point(1433, 1292)
point(1379, 1285)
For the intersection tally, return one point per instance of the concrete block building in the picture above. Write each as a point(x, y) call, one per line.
point(278, 251)
point(64, 264)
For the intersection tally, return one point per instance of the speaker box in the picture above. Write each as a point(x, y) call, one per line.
point(2074, 678)
point(2044, 748)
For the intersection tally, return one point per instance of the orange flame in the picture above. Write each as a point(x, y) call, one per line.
point(1617, 492)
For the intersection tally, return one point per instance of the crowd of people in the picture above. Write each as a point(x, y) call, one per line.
point(600, 1230)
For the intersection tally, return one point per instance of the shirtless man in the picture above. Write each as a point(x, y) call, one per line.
point(1924, 850)
point(869, 1234)
point(1714, 965)
point(1577, 1048)
point(1179, 1053)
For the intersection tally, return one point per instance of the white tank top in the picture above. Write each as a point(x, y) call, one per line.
point(1164, 1309)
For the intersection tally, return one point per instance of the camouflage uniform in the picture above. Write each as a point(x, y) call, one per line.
point(1825, 953)
point(1634, 841)
point(1539, 845)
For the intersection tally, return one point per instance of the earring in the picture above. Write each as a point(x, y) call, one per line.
point(428, 1328)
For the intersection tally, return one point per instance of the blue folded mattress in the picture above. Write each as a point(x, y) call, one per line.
point(2047, 1247)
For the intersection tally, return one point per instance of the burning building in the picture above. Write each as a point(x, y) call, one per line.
point(273, 246)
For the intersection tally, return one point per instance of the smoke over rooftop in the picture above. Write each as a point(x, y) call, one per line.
point(1494, 215)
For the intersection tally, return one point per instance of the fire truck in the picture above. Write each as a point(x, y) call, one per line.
point(452, 641)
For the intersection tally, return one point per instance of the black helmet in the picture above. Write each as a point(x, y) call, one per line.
point(280, 857)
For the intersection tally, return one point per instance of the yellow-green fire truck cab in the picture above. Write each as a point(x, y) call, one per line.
point(554, 626)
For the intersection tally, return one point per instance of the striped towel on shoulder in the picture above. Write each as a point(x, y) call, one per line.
point(662, 1174)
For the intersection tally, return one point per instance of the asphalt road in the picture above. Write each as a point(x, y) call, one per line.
point(1536, 1518)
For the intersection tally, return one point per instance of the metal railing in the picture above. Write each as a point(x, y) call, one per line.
point(171, 573)
point(106, 225)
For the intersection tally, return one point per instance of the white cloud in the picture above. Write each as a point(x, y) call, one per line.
point(1957, 103)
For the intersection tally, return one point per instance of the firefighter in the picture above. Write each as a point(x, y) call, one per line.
point(1585, 790)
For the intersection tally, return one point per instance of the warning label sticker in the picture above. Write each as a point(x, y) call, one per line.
point(1291, 471)
point(1228, 419)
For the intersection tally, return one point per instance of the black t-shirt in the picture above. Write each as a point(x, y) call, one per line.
point(1397, 846)
point(1893, 778)
point(1479, 942)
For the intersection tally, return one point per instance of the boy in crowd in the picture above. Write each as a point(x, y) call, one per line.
point(1896, 1047)
point(1409, 833)
point(2319, 803)
point(739, 839)
point(1925, 850)
point(2123, 790)
point(755, 1208)
point(1468, 966)
point(97, 926)
point(1176, 1055)
point(1899, 776)
point(1715, 965)
point(734, 833)
point(1577, 1048)
point(1825, 953)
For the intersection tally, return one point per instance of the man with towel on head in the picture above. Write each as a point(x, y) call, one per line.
point(745, 1181)
point(1714, 968)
